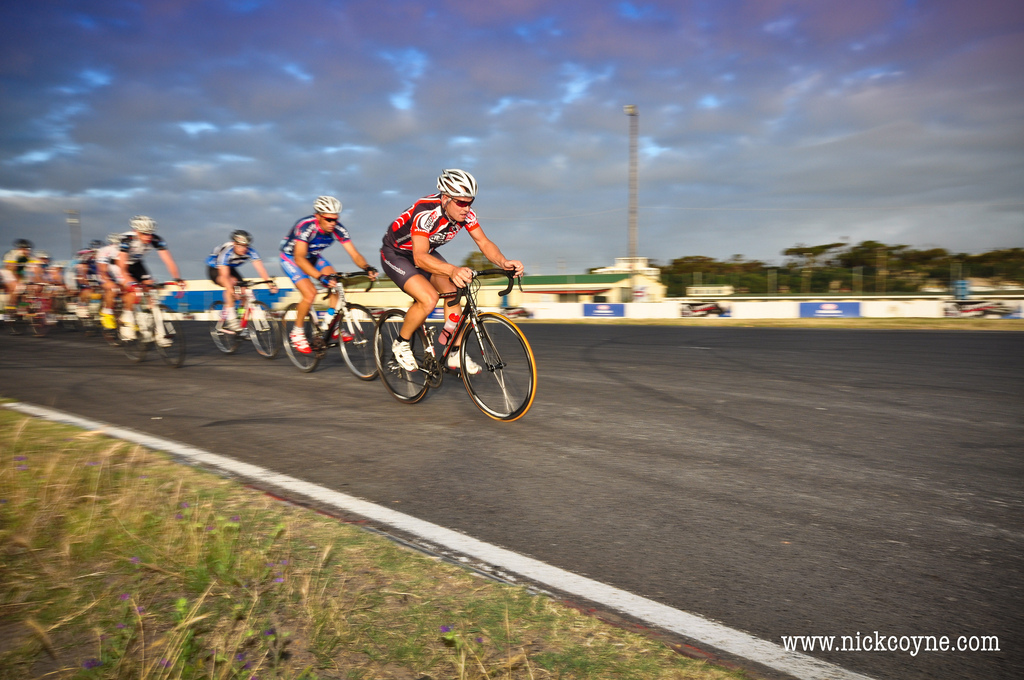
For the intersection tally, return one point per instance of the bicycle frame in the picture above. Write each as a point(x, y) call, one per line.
point(435, 366)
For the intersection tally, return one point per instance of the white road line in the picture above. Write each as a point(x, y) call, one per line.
point(656, 614)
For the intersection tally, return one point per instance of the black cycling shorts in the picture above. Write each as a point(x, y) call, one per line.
point(400, 267)
point(212, 272)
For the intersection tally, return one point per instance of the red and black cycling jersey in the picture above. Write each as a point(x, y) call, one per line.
point(426, 218)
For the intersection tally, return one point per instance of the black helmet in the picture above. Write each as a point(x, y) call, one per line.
point(241, 237)
point(23, 243)
point(95, 244)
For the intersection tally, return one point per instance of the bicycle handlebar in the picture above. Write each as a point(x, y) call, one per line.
point(510, 273)
point(342, 276)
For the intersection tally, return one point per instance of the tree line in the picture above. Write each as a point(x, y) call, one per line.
point(867, 267)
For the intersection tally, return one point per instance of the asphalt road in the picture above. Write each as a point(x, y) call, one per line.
point(783, 482)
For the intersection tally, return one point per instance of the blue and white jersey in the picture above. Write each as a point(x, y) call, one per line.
point(316, 239)
point(224, 255)
point(136, 247)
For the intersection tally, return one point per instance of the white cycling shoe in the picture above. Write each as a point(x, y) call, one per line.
point(471, 366)
point(404, 356)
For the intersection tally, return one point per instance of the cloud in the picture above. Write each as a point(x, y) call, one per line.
point(762, 124)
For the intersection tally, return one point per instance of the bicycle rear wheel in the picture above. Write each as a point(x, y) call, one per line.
point(358, 352)
point(135, 342)
point(405, 386)
point(225, 341)
point(304, 362)
point(506, 383)
point(264, 331)
point(171, 342)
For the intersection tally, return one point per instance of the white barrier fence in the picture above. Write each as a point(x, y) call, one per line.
point(781, 309)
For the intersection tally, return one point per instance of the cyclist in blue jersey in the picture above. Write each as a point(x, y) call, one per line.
point(303, 263)
point(409, 259)
point(222, 267)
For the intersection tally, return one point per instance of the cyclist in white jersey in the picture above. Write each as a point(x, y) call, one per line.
point(139, 241)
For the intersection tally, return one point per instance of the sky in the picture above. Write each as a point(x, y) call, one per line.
point(762, 124)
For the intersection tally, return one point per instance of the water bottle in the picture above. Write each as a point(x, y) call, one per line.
point(328, 316)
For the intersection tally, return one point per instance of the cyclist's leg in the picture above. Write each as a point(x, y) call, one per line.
point(325, 267)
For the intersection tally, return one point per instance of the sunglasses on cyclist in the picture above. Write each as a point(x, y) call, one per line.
point(463, 203)
point(332, 220)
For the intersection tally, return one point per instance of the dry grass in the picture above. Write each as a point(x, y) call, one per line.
point(116, 562)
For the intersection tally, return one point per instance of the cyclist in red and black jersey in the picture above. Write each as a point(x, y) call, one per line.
point(409, 258)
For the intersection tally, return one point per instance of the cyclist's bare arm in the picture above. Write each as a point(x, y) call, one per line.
point(358, 259)
point(169, 262)
point(460, 276)
point(493, 253)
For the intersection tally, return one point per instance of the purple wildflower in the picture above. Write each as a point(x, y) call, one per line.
point(91, 663)
point(121, 625)
point(239, 656)
point(124, 596)
point(141, 610)
point(179, 516)
point(21, 458)
point(135, 560)
point(184, 504)
point(165, 663)
point(210, 528)
point(480, 640)
point(236, 518)
point(269, 631)
point(446, 629)
point(278, 580)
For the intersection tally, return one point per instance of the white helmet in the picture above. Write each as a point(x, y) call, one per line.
point(457, 183)
point(143, 224)
point(327, 204)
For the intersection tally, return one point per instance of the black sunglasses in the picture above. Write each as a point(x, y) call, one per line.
point(462, 203)
point(333, 220)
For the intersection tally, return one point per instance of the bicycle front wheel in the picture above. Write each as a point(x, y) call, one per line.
point(170, 338)
point(358, 352)
point(225, 341)
point(405, 386)
point(264, 331)
point(303, 362)
point(505, 381)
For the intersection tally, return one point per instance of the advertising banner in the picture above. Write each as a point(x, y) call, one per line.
point(829, 310)
point(604, 309)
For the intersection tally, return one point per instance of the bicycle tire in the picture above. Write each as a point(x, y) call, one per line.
point(264, 331)
point(173, 353)
point(303, 362)
point(358, 352)
point(405, 386)
point(135, 348)
point(505, 387)
point(226, 342)
point(39, 319)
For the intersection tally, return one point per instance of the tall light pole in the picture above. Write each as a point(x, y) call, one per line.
point(631, 112)
point(75, 230)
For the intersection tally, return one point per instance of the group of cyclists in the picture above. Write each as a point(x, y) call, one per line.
point(408, 256)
